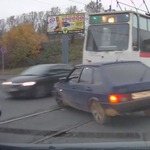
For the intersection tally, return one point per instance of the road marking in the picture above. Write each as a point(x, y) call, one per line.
point(28, 116)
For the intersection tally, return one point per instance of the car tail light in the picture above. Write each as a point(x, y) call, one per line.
point(119, 98)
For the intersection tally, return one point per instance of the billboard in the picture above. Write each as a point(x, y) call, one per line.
point(63, 24)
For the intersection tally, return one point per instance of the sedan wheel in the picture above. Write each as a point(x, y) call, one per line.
point(98, 113)
point(40, 91)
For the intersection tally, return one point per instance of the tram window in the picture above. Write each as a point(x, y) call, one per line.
point(144, 35)
point(135, 23)
point(108, 37)
point(148, 24)
point(135, 33)
point(143, 23)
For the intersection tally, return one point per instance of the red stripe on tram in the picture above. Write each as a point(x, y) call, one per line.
point(144, 54)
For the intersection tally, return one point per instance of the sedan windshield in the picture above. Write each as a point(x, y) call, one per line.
point(108, 37)
point(36, 70)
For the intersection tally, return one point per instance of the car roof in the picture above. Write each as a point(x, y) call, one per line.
point(51, 65)
point(98, 64)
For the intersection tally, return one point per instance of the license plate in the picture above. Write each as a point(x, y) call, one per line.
point(141, 95)
point(13, 90)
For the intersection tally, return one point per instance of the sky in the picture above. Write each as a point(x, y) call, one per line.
point(18, 7)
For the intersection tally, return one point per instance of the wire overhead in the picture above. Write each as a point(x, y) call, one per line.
point(146, 12)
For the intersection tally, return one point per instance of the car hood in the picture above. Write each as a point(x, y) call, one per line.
point(20, 79)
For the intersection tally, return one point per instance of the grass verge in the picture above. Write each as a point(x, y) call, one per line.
point(14, 71)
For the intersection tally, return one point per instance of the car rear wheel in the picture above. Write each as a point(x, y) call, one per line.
point(59, 100)
point(40, 91)
point(99, 113)
point(147, 112)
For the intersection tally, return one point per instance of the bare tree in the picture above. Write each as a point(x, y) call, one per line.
point(55, 11)
point(93, 7)
point(2, 28)
point(11, 22)
point(72, 10)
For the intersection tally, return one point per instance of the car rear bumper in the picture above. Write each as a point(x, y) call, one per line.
point(126, 107)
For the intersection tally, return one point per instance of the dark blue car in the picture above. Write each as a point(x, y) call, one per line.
point(106, 89)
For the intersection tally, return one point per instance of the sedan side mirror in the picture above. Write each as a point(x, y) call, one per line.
point(72, 77)
point(62, 80)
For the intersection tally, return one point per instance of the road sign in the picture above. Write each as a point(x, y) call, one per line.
point(3, 49)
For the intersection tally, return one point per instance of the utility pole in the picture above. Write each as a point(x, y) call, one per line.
point(98, 2)
point(109, 7)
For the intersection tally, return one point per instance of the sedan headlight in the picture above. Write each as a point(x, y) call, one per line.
point(28, 83)
point(6, 83)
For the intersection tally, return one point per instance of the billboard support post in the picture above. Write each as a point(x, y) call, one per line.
point(65, 48)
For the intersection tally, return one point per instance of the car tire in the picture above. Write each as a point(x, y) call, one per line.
point(99, 113)
point(147, 112)
point(40, 91)
point(59, 100)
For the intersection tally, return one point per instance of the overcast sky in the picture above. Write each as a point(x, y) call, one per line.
point(17, 7)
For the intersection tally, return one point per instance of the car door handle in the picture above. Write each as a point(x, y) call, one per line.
point(88, 89)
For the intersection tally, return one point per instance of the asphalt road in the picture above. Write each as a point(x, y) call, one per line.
point(83, 128)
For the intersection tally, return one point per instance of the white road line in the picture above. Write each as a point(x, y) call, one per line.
point(28, 116)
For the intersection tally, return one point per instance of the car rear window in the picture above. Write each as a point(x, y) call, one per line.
point(127, 72)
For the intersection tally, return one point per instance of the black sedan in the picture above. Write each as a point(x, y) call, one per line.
point(37, 81)
point(106, 89)
point(65, 24)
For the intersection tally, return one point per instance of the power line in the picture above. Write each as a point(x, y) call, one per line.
point(77, 2)
point(48, 4)
point(140, 5)
point(44, 3)
point(134, 5)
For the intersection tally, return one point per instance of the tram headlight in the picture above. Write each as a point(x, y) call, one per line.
point(111, 20)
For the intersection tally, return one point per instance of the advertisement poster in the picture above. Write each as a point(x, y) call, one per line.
point(63, 24)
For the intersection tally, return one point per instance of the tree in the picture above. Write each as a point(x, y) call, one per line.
point(55, 11)
point(92, 7)
point(72, 10)
point(2, 28)
point(11, 22)
point(22, 43)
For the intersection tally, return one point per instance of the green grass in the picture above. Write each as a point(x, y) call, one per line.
point(13, 71)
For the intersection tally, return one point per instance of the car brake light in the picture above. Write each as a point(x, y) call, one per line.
point(119, 98)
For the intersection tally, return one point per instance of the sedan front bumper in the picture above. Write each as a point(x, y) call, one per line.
point(18, 90)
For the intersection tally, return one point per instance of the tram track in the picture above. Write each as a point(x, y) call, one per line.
point(46, 135)
point(61, 132)
point(29, 115)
